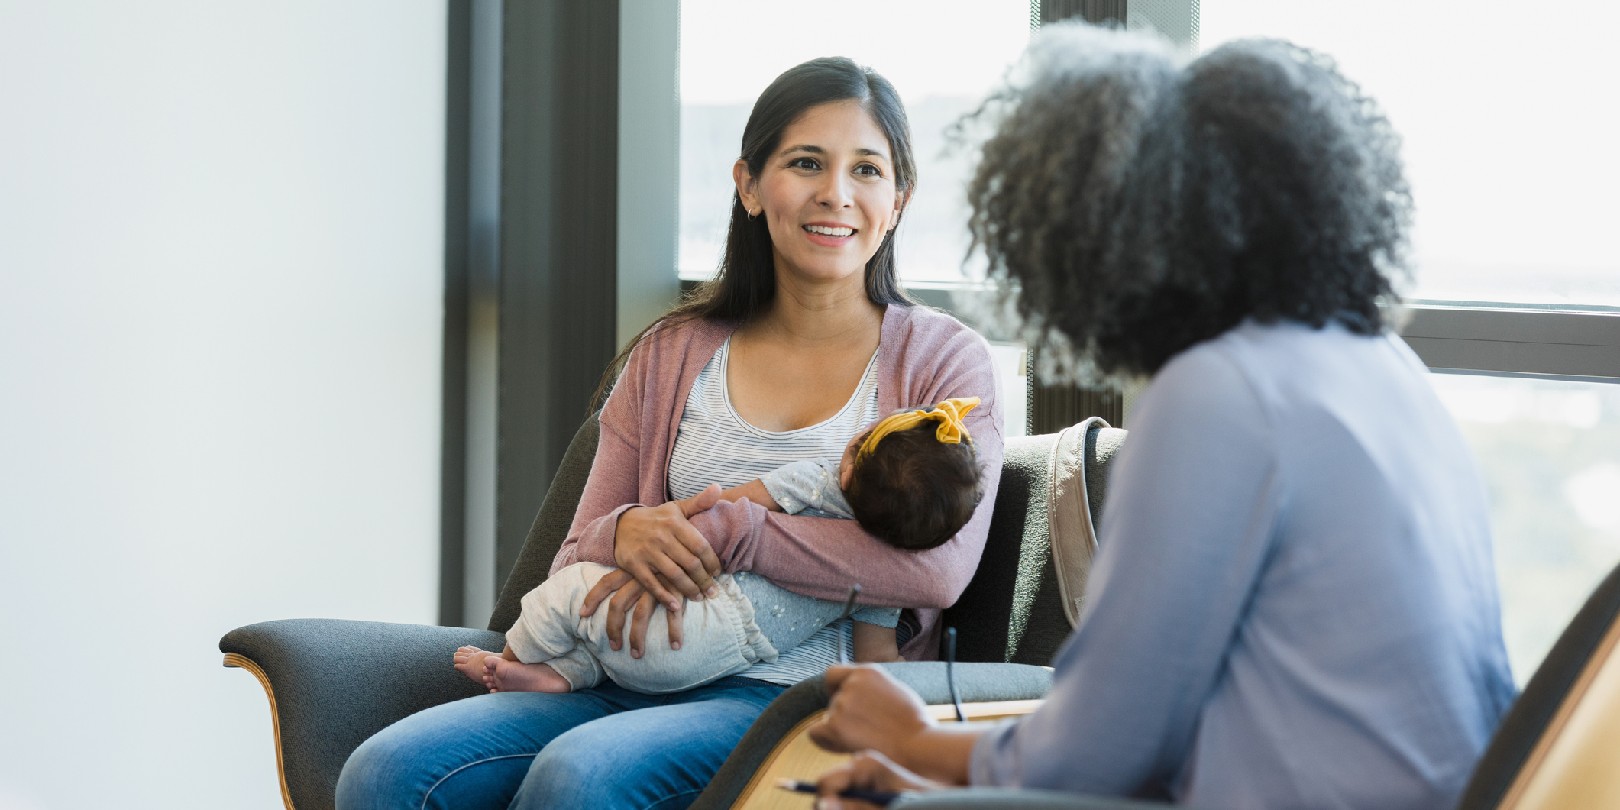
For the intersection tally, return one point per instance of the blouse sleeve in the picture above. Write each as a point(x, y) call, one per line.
point(1192, 505)
point(822, 557)
point(614, 483)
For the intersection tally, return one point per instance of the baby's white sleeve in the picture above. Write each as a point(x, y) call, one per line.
point(807, 485)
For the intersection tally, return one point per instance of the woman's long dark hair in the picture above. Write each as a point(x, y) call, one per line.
point(746, 282)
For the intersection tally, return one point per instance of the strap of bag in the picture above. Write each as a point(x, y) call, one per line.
point(1074, 535)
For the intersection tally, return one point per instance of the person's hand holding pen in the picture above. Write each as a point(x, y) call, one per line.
point(900, 746)
point(867, 780)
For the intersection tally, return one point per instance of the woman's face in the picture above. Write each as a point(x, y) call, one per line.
point(827, 194)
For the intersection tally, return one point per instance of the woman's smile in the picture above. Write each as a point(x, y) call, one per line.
point(827, 235)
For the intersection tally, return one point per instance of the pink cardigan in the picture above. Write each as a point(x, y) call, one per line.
point(924, 356)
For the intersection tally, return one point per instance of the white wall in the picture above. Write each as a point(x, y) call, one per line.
point(220, 312)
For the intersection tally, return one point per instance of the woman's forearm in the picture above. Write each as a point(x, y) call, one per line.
point(822, 557)
point(943, 753)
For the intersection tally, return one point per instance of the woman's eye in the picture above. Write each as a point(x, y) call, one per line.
point(868, 170)
point(803, 163)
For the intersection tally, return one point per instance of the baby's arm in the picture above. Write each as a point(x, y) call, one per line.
point(875, 643)
point(811, 484)
point(793, 488)
point(754, 491)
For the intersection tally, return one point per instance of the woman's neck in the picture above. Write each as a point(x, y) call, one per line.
point(800, 361)
point(807, 315)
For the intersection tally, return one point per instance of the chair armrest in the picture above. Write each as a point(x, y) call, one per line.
point(775, 736)
point(1009, 799)
point(976, 682)
point(333, 683)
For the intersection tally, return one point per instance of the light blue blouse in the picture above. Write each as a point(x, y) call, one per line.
point(1293, 602)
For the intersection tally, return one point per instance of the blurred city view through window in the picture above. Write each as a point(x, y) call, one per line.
point(1509, 150)
point(1550, 450)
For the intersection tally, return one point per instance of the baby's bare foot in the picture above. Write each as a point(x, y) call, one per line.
point(502, 675)
point(469, 661)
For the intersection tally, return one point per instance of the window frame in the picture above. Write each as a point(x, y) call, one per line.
point(1558, 343)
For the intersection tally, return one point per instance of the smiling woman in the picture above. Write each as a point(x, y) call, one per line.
point(801, 339)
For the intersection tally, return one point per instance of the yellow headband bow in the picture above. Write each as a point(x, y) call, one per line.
point(948, 413)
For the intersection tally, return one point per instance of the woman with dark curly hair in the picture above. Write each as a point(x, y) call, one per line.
point(1293, 602)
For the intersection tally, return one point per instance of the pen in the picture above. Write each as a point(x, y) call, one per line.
point(881, 798)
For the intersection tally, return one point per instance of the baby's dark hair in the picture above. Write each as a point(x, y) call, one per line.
point(914, 491)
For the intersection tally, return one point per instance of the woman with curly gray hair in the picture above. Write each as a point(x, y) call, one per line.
point(1293, 602)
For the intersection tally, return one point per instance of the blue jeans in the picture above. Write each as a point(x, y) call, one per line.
point(603, 747)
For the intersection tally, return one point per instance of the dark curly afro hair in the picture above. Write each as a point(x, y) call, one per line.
point(1135, 203)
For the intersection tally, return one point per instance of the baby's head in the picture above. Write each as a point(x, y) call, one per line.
point(912, 478)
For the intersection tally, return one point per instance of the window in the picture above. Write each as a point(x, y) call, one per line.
point(943, 57)
point(1551, 454)
point(1509, 143)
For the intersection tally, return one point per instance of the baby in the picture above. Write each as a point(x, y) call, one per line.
point(911, 479)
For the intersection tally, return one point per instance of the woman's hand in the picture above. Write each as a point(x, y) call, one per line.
point(661, 558)
point(628, 598)
point(870, 771)
point(869, 709)
point(661, 548)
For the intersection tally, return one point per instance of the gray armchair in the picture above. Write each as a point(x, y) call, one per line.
point(331, 684)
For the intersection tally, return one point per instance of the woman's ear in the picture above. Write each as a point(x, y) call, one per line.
point(746, 187)
point(900, 201)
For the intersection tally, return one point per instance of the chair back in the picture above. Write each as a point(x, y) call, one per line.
point(1556, 746)
point(550, 526)
point(1019, 605)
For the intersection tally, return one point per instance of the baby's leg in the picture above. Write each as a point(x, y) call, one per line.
point(469, 661)
point(547, 629)
point(785, 617)
point(503, 674)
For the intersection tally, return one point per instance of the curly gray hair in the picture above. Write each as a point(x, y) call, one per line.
point(1136, 203)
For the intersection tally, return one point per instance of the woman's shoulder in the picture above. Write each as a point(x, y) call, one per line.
point(934, 354)
point(924, 326)
point(1284, 370)
point(672, 349)
point(1251, 347)
point(682, 334)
